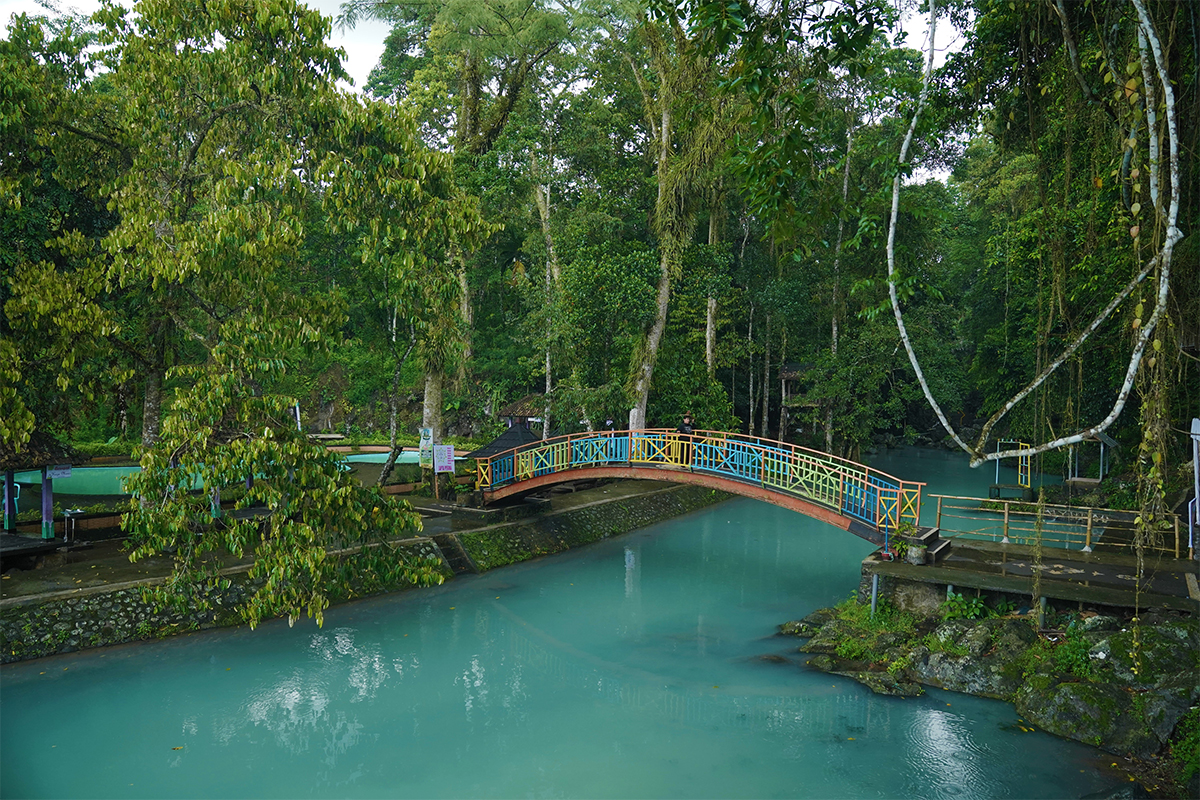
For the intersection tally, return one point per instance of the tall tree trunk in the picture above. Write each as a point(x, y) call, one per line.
point(546, 410)
point(679, 71)
point(155, 373)
point(394, 399)
point(783, 397)
point(710, 316)
point(645, 368)
point(431, 407)
point(465, 308)
point(541, 196)
point(750, 373)
point(837, 277)
point(766, 379)
point(152, 406)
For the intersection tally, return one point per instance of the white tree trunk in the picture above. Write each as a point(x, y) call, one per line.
point(431, 407)
point(1161, 260)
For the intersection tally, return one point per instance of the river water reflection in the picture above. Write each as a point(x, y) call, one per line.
point(631, 668)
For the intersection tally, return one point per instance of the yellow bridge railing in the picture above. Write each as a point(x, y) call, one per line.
point(851, 489)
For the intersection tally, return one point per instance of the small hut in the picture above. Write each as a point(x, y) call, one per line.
point(529, 408)
point(43, 452)
point(515, 436)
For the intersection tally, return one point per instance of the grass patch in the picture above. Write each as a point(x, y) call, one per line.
point(867, 637)
point(1185, 747)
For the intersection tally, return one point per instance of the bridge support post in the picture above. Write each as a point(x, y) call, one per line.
point(1005, 539)
point(1087, 545)
point(874, 591)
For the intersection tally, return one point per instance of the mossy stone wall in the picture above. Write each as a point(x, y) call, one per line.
point(510, 543)
point(48, 625)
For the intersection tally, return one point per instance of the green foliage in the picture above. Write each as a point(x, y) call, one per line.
point(886, 618)
point(1004, 608)
point(1071, 656)
point(34, 514)
point(323, 534)
point(109, 449)
point(1185, 746)
point(956, 606)
point(936, 645)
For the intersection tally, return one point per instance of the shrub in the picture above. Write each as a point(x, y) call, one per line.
point(1071, 656)
point(956, 606)
point(1185, 748)
point(936, 645)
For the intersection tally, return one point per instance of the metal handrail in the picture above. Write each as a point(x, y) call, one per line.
point(849, 488)
point(1015, 521)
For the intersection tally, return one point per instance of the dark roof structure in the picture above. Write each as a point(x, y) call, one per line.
point(531, 405)
point(515, 436)
point(795, 370)
point(42, 450)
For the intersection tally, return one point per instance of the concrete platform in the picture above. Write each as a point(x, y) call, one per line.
point(1102, 579)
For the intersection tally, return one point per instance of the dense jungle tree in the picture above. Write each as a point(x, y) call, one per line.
point(214, 184)
point(464, 67)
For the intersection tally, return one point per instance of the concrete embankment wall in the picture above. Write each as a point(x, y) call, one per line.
point(508, 543)
point(66, 621)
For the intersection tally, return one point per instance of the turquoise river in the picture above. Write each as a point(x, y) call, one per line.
point(630, 668)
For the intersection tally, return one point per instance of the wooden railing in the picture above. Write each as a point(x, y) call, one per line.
point(851, 489)
point(1070, 527)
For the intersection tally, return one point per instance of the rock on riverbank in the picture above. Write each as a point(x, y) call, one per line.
point(1119, 686)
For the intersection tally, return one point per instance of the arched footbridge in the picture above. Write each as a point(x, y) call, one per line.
point(851, 496)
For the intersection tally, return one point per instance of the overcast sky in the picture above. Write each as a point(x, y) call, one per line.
point(363, 44)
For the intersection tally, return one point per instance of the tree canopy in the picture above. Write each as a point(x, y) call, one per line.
point(633, 209)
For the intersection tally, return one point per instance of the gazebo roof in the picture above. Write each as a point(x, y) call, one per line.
point(531, 405)
point(515, 436)
point(795, 370)
point(42, 450)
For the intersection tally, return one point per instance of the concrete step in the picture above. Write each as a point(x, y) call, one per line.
point(938, 551)
point(925, 536)
point(456, 557)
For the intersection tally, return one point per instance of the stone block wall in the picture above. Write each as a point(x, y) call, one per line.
point(100, 616)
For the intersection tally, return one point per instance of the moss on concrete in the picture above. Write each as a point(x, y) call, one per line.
point(513, 542)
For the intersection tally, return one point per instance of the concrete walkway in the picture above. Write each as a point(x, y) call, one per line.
point(105, 566)
point(1099, 578)
point(1089, 578)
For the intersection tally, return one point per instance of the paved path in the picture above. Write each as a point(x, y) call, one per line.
point(1088, 578)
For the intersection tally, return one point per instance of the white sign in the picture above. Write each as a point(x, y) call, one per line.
point(59, 471)
point(425, 451)
point(443, 458)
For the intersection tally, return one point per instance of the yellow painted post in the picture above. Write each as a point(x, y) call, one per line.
point(1087, 545)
